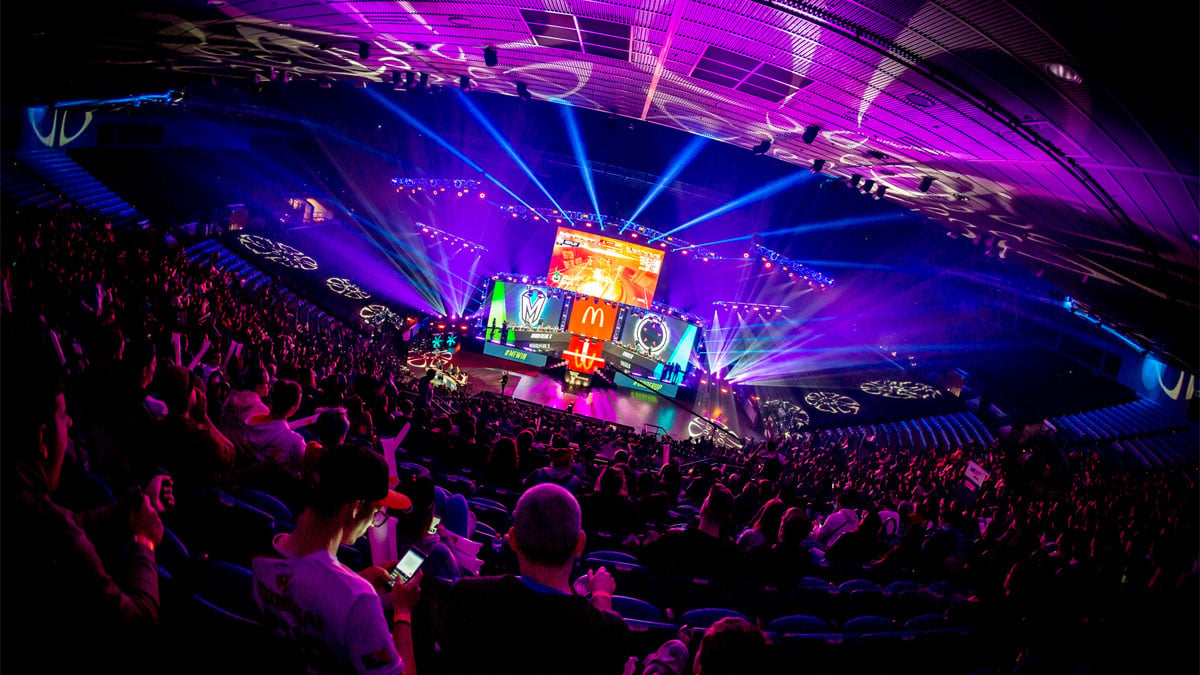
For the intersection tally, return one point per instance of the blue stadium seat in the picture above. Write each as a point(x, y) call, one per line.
point(702, 618)
point(799, 623)
point(868, 624)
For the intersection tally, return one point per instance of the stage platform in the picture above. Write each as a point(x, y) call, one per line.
point(621, 406)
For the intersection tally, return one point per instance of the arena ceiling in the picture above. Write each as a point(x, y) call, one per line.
point(1029, 128)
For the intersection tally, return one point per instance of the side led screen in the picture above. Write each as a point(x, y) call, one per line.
point(603, 267)
point(662, 338)
point(522, 306)
point(593, 319)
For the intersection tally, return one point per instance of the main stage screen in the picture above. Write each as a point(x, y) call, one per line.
point(522, 306)
point(604, 267)
point(662, 338)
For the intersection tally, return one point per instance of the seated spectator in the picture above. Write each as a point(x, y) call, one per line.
point(562, 470)
point(503, 468)
point(98, 565)
point(185, 444)
point(268, 436)
point(700, 550)
point(651, 504)
point(535, 623)
point(789, 560)
point(330, 430)
point(242, 404)
point(608, 509)
point(746, 504)
point(331, 615)
point(839, 522)
point(860, 546)
point(732, 646)
point(765, 531)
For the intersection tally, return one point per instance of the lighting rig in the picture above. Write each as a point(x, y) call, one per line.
point(794, 268)
point(736, 306)
point(448, 240)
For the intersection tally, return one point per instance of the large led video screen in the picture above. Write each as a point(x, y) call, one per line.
point(663, 338)
point(523, 307)
point(604, 267)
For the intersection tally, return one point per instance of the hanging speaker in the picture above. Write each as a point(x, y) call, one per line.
point(810, 133)
point(491, 58)
point(926, 183)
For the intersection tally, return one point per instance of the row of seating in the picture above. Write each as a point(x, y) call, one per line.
point(941, 432)
point(1125, 421)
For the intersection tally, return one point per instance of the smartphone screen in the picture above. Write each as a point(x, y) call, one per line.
point(408, 565)
point(433, 524)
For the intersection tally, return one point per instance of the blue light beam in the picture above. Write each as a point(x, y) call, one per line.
point(678, 164)
point(774, 187)
point(508, 148)
point(585, 168)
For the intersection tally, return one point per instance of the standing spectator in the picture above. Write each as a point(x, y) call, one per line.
point(425, 388)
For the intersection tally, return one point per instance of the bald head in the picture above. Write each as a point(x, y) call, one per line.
point(546, 524)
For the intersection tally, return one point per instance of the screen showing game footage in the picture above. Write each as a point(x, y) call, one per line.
point(664, 339)
point(519, 307)
point(604, 267)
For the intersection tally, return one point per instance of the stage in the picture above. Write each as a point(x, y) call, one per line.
point(637, 409)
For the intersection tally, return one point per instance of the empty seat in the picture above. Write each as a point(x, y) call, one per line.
point(799, 623)
point(868, 624)
point(635, 608)
point(702, 618)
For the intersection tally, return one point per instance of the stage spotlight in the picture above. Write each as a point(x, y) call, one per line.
point(523, 92)
point(867, 185)
point(761, 148)
point(854, 178)
point(364, 51)
point(491, 58)
point(879, 191)
point(810, 133)
point(817, 165)
point(926, 183)
point(464, 82)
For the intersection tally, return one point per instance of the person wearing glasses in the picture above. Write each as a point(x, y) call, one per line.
point(330, 618)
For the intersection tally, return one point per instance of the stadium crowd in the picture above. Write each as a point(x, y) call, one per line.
point(175, 387)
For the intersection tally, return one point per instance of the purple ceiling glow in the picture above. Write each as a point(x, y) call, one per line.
point(1089, 181)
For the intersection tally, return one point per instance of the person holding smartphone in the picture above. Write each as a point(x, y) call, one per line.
point(331, 615)
point(97, 564)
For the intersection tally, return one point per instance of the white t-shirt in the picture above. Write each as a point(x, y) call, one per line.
point(275, 441)
point(838, 523)
point(329, 612)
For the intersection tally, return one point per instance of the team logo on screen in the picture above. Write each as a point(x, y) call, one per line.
point(593, 316)
point(652, 334)
point(533, 302)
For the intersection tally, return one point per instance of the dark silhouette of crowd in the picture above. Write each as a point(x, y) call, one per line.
point(144, 394)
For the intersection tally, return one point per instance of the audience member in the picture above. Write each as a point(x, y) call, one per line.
point(535, 623)
point(331, 615)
